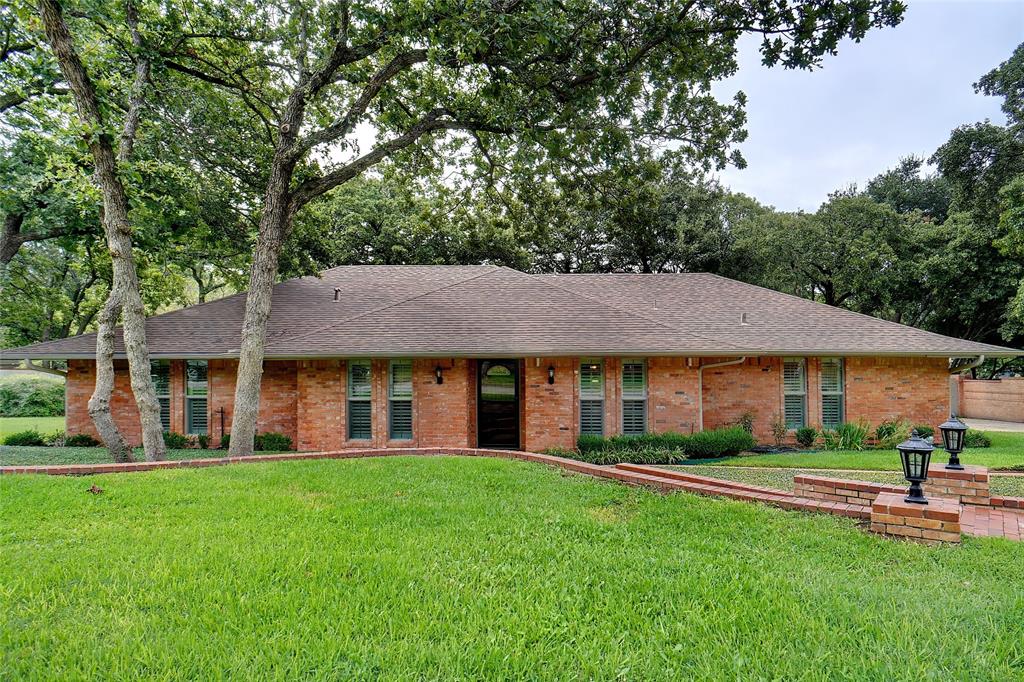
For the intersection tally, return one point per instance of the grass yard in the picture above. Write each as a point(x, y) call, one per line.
point(463, 568)
point(1007, 451)
point(22, 456)
point(44, 425)
point(782, 479)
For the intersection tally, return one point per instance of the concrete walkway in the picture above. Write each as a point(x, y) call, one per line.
point(993, 425)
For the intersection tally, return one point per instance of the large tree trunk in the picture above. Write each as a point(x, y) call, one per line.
point(115, 223)
point(274, 223)
point(99, 403)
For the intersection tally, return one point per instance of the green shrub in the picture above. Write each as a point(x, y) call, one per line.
point(175, 441)
point(977, 439)
point(891, 433)
point(272, 441)
point(924, 431)
point(28, 438)
point(81, 440)
point(848, 436)
point(23, 395)
point(806, 435)
point(718, 443)
point(203, 440)
point(662, 448)
point(746, 422)
point(262, 442)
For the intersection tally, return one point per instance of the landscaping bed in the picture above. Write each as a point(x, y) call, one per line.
point(454, 567)
point(782, 479)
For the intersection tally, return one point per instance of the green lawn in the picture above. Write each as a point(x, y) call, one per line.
point(463, 568)
point(782, 479)
point(45, 455)
point(44, 425)
point(1007, 451)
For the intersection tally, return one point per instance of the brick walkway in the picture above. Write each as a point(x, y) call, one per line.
point(992, 522)
point(977, 521)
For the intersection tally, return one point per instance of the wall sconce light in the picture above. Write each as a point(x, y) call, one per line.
point(551, 374)
point(438, 375)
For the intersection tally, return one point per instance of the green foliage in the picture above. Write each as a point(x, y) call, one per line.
point(779, 430)
point(263, 442)
point(847, 436)
point(806, 435)
point(81, 440)
point(746, 422)
point(977, 439)
point(891, 432)
point(923, 430)
point(175, 441)
point(25, 438)
point(23, 395)
point(663, 448)
point(272, 441)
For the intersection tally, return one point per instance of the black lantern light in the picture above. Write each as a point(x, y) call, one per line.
point(953, 432)
point(916, 453)
point(551, 374)
point(438, 376)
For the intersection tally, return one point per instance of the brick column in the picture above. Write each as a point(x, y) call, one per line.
point(932, 523)
point(968, 486)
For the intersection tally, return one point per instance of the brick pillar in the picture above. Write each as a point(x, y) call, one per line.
point(932, 523)
point(968, 486)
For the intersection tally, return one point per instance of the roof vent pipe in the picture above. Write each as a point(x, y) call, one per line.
point(743, 319)
point(337, 294)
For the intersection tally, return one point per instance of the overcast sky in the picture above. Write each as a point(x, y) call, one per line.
point(899, 92)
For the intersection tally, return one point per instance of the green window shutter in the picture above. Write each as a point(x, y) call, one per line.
point(400, 400)
point(634, 417)
point(160, 373)
point(360, 415)
point(832, 406)
point(196, 390)
point(591, 397)
point(634, 397)
point(634, 379)
point(794, 388)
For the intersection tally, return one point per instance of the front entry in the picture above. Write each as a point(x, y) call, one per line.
point(498, 404)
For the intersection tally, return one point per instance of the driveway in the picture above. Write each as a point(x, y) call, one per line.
point(993, 425)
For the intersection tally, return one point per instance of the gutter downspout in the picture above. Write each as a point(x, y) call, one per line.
point(700, 385)
point(954, 384)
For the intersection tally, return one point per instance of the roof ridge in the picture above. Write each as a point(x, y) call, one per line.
point(542, 278)
point(490, 269)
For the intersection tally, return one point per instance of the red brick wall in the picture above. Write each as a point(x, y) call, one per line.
point(550, 417)
point(672, 395)
point(307, 400)
point(753, 386)
point(320, 404)
point(916, 389)
point(441, 412)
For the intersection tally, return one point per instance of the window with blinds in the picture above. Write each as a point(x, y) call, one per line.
point(196, 392)
point(634, 397)
point(360, 425)
point(400, 400)
point(160, 373)
point(794, 388)
point(591, 397)
point(832, 406)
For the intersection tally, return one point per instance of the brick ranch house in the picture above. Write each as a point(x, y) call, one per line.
point(466, 356)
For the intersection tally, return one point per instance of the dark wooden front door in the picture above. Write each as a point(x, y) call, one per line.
point(498, 404)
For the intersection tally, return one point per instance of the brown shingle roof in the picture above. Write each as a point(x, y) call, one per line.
point(486, 310)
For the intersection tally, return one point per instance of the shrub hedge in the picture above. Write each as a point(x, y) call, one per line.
point(22, 395)
point(30, 438)
point(270, 441)
point(661, 448)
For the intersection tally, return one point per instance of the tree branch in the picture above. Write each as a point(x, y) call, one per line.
point(346, 123)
